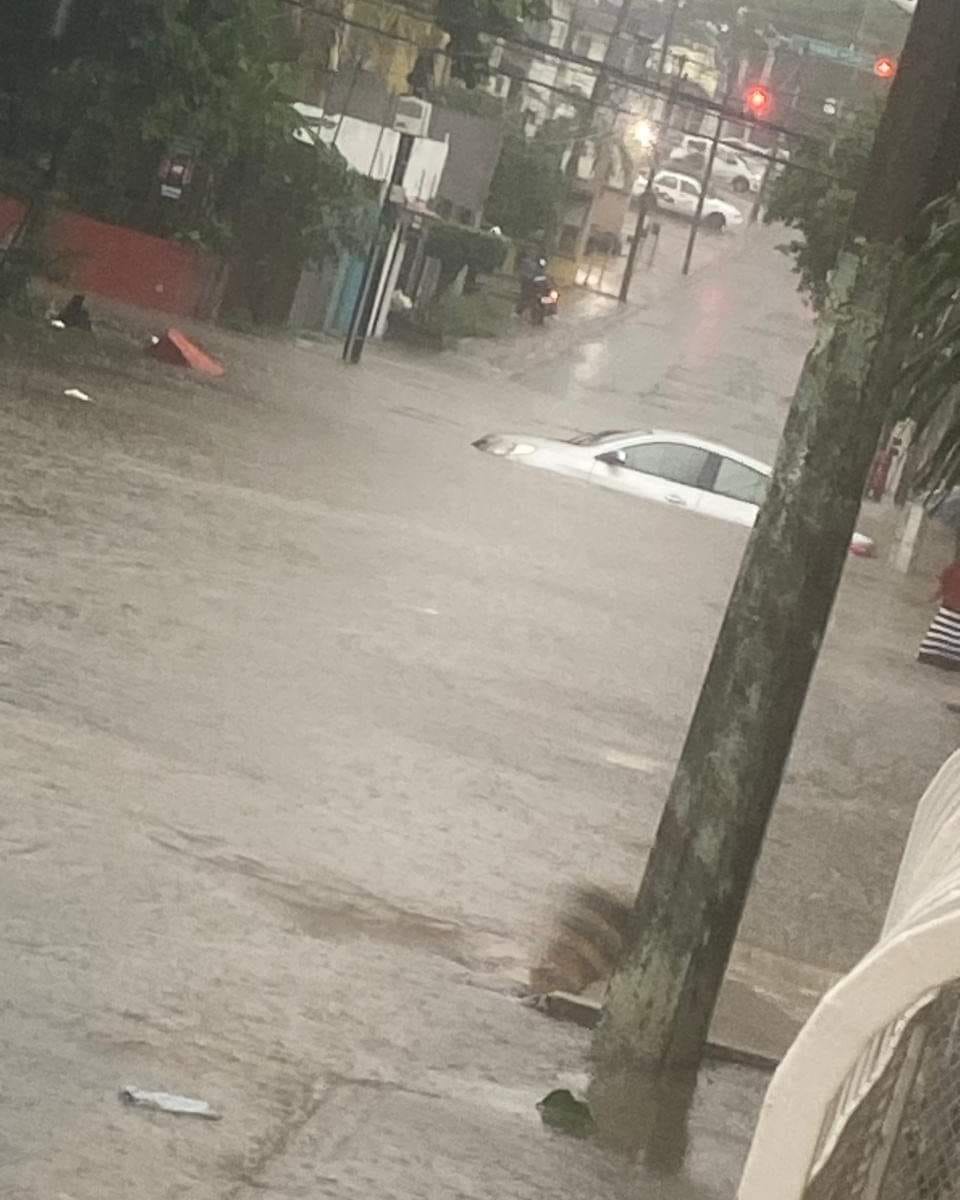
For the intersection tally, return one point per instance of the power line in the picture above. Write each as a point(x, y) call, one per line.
point(617, 75)
point(574, 98)
point(339, 19)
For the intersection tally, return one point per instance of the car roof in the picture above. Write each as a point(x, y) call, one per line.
point(691, 439)
point(694, 180)
point(678, 175)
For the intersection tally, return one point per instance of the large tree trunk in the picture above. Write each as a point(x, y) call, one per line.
point(662, 997)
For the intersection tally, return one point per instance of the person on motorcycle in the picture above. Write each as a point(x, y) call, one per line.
point(530, 268)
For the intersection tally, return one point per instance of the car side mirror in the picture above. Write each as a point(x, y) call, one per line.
point(613, 458)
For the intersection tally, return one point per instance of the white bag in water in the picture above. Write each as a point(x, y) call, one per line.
point(168, 1102)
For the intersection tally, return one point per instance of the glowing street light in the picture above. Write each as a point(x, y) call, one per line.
point(645, 134)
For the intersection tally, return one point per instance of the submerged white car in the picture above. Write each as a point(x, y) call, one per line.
point(670, 468)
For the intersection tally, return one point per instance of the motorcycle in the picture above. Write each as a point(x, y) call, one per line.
point(545, 299)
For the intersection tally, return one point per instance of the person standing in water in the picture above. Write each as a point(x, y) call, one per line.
point(941, 645)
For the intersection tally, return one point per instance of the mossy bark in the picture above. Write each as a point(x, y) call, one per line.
point(661, 999)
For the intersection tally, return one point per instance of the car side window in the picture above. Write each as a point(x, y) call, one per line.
point(690, 189)
point(740, 482)
point(667, 181)
point(668, 460)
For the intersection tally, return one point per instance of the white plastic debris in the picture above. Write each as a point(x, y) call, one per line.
point(168, 1102)
point(57, 323)
point(76, 394)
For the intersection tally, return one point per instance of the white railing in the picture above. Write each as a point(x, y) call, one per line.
point(866, 1104)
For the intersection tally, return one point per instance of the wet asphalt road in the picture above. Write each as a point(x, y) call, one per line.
point(308, 709)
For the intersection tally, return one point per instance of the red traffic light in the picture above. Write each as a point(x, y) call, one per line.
point(885, 67)
point(758, 99)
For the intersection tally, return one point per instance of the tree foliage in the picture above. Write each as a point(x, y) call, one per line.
point(130, 78)
point(300, 203)
point(926, 322)
point(929, 386)
point(814, 196)
point(458, 246)
point(469, 23)
point(528, 186)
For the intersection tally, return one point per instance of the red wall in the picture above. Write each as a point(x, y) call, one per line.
point(110, 260)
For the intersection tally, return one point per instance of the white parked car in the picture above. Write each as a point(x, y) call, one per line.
point(679, 194)
point(739, 172)
point(758, 157)
point(670, 468)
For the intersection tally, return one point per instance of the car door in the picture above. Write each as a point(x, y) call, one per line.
point(668, 472)
point(725, 165)
point(740, 167)
point(688, 198)
point(736, 493)
point(666, 188)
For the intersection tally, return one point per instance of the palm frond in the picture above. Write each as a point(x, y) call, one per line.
point(928, 390)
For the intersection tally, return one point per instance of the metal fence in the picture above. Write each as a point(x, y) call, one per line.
point(866, 1105)
point(900, 1139)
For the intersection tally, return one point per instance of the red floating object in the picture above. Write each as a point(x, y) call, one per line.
point(178, 350)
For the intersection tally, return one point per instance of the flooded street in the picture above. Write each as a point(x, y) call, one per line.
point(308, 711)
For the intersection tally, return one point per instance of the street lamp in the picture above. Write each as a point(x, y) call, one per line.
point(645, 133)
point(647, 196)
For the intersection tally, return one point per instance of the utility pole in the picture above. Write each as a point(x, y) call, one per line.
point(861, 25)
point(650, 1040)
point(768, 174)
point(363, 315)
point(704, 185)
point(647, 197)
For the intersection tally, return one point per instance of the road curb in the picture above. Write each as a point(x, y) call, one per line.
point(577, 1010)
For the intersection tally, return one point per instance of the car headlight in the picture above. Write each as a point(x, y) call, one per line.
point(503, 447)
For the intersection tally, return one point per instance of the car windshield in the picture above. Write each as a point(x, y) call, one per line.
point(597, 439)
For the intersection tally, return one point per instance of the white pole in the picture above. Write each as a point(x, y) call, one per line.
point(60, 18)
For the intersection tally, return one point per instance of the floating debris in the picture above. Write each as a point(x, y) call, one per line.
point(168, 1102)
point(562, 1111)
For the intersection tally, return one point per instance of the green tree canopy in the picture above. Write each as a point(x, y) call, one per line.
point(470, 22)
point(814, 197)
point(528, 186)
point(458, 246)
point(131, 78)
point(929, 385)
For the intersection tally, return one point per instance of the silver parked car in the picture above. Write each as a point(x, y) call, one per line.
point(670, 468)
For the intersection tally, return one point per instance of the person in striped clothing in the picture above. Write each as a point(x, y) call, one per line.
point(941, 644)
